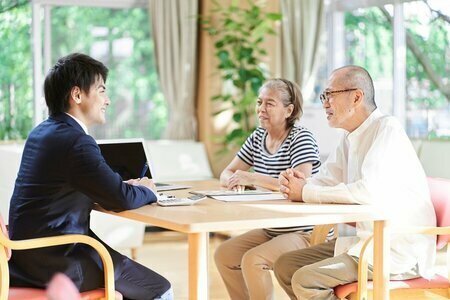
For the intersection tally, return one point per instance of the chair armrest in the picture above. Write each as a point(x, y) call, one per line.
point(363, 267)
point(70, 239)
point(363, 260)
point(422, 230)
point(320, 232)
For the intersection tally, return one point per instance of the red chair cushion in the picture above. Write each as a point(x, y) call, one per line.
point(437, 282)
point(26, 293)
point(440, 196)
point(39, 294)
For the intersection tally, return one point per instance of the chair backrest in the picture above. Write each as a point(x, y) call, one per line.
point(435, 159)
point(10, 157)
point(440, 196)
point(4, 233)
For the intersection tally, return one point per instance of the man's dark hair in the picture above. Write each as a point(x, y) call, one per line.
point(73, 70)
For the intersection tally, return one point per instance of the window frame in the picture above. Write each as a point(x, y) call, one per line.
point(41, 40)
point(336, 41)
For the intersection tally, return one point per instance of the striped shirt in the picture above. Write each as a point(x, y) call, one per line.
point(298, 148)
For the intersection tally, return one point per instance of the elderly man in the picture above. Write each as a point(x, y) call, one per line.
point(375, 164)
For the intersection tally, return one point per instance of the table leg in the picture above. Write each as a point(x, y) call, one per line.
point(381, 261)
point(198, 265)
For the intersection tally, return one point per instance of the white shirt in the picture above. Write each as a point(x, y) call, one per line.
point(376, 164)
point(79, 122)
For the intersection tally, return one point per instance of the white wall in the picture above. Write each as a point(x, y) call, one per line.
point(314, 119)
point(10, 156)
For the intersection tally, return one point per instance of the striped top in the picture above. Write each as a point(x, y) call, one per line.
point(298, 148)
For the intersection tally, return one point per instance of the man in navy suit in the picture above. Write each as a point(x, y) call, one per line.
point(61, 176)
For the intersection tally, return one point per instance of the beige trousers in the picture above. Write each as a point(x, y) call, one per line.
point(313, 273)
point(244, 262)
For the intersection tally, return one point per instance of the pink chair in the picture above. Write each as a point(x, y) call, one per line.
point(439, 286)
point(60, 284)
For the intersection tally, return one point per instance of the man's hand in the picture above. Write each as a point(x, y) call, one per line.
point(291, 184)
point(144, 181)
point(239, 180)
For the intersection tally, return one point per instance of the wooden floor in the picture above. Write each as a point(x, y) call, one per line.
point(167, 254)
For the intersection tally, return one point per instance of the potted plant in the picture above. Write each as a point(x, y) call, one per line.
point(239, 33)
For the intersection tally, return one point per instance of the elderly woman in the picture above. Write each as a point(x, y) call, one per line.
point(244, 261)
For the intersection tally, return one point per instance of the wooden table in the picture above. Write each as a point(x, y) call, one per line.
point(211, 215)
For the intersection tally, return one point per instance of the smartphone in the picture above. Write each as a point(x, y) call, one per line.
point(196, 197)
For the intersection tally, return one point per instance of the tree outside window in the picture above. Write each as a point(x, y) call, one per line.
point(120, 38)
point(369, 44)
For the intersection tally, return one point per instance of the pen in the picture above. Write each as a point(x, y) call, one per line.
point(144, 170)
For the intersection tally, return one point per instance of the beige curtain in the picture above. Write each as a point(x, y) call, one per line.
point(302, 27)
point(174, 28)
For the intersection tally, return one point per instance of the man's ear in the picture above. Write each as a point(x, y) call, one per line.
point(359, 97)
point(75, 94)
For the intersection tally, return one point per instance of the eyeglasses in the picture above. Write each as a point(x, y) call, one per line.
point(324, 96)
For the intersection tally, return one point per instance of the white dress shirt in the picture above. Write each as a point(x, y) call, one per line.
point(376, 164)
point(79, 122)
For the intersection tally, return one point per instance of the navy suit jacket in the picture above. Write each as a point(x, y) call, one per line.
point(61, 176)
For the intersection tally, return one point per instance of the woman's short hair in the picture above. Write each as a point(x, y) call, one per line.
point(289, 94)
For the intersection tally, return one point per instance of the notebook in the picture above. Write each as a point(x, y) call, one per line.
point(128, 157)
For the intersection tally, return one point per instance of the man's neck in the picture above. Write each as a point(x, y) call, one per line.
point(358, 119)
point(78, 121)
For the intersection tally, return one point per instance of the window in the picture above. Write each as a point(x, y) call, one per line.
point(120, 38)
point(16, 95)
point(368, 43)
point(427, 67)
point(369, 35)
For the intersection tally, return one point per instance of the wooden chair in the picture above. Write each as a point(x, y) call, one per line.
point(437, 287)
point(12, 293)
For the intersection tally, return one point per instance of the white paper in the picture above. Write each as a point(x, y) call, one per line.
point(243, 197)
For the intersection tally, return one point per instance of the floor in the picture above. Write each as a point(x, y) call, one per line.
point(167, 254)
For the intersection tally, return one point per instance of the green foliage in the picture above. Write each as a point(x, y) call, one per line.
point(432, 36)
point(369, 41)
point(239, 34)
point(370, 45)
point(16, 106)
point(137, 109)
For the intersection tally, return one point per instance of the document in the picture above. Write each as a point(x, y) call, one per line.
point(248, 195)
point(212, 193)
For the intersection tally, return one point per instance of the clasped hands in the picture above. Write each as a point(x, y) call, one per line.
point(291, 184)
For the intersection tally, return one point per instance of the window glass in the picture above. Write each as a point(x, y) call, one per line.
point(428, 66)
point(368, 43)
point(121, 39)
point(16, 94)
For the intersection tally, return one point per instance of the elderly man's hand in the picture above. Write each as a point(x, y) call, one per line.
point(291, 184)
